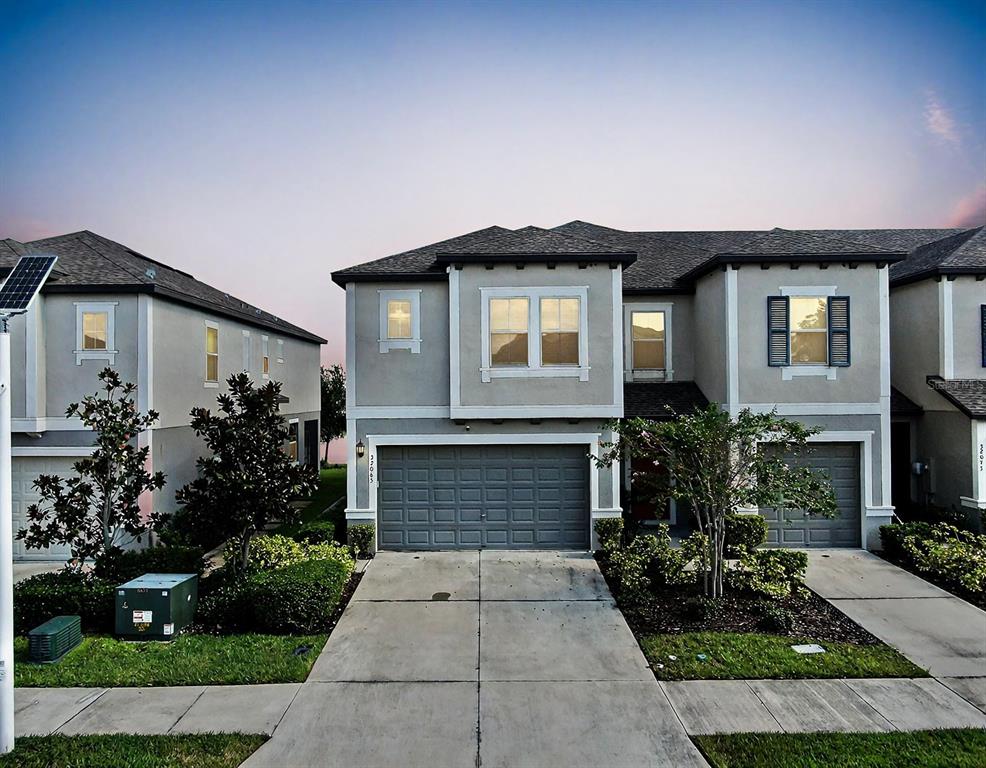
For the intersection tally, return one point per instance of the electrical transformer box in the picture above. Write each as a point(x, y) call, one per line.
point(156, 606)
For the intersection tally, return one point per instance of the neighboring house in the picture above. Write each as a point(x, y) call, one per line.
point(175, 337)
point(482, 370)
point(938, 363)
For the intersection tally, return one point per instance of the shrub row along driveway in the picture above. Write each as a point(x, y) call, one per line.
point(467, 658)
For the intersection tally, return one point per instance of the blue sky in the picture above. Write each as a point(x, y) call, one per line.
point(261, 145)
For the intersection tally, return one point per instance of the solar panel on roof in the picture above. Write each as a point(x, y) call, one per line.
point(24, 282)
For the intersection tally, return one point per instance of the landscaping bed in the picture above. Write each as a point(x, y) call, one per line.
point(126, 751)
point(958, 748)
point(331, 488)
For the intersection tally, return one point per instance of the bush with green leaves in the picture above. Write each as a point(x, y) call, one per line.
point(330, 551)
point(361, 538)
point(669, 565)
point(267, 552)
point(300, 598)
point(775, 618)
point(318, 532)
point(64, 593)
point(117, 565)
point(744, 531)
point(609, 531)
point(950, 555)
point(629, 565)
point(772, 573)
point(892, 537)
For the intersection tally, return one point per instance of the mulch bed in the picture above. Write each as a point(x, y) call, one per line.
point(669, 612)
point(347, 594)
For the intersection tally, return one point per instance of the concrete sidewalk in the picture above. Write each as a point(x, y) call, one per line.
point(936, 630)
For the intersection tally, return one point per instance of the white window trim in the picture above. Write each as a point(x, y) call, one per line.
point(297, 440)
point(414, 343)
point(280, 351)
point(109, 354)
point(265, 355)
point(638, 374)
point(205, 382)
point(829, 372)
point(247, 352)
point(534, 368)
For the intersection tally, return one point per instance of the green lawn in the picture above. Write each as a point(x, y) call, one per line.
point(187, 660)
point(739, 656)
point(331, 487)
point(178, 751)
point(965, 748)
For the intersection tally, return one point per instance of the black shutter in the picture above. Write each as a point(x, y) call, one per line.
point(778, 336)
point(982, 320)
point(838, 313)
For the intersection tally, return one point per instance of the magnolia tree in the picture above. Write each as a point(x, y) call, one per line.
point(249, 480)
point(717, 465)
point(96, 508)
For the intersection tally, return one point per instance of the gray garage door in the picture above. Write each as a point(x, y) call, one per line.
point(840, 461)
point(472, 497)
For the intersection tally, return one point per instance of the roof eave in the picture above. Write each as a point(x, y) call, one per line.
point(936, 273)
point(626, 258)
point(722, 259)
point(953, 400)
point(343, 277)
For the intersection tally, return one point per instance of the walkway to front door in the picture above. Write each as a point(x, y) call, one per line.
point(481, 658)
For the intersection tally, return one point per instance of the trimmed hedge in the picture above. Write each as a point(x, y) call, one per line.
point(64, 593)
point(952, 557)
point(609, 530)
point(298, 599)
point(118, 566)
point(744, 531)
point(361, 538)
point(892, 537)
point(772, 573)
point(319, 532)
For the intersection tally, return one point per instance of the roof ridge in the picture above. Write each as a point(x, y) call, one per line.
point(577, 238)
point(82, 239)
point(813, 235)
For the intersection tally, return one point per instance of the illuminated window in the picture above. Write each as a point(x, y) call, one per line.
point(809, 330)
point(399, 319)
point(509, 331)
point(559, 331)
point(648, 339)
point(94, 330)
point(211, 353)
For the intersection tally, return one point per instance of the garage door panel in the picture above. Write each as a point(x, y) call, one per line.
point(795, 528)
point(529, 496)
point(24, 471)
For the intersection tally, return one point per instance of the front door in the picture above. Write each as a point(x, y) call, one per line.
point(311, 443)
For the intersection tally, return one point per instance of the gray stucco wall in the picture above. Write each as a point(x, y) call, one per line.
point(946, 440)
point(858, 383)
point(399, 377)
point(915, 342)
point(598, 390)
point(709, 312)
point(968, 295)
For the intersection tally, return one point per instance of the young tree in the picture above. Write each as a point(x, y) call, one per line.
point(715, 463)
point(249, 480)
point(91, 511)
point(333, 405)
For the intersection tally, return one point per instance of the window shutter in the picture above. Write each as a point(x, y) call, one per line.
point(778, 338)
point(839, 331)
point(982, 321)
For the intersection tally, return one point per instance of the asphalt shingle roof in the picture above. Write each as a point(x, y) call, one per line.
point(88, 262)
point(902, 405)
point(651, 400)
point(968, 395)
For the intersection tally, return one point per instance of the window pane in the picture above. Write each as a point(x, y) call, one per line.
point(518, 314)
point(559, 348)
point(808, 312)
point(508, 314)
point(809, 347)
point(647, 325)
point(212, 367)
point(212, 341)
point(266, 364)
point(549, 315)
point(94, 330)
point(648, 354)
point(398, 319)
point(508, 348)
point(569, 314)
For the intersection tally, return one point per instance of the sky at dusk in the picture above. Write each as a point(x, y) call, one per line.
point(260, 146)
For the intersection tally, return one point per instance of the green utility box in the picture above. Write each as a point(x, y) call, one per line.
point(54, 638)
point(156, 606)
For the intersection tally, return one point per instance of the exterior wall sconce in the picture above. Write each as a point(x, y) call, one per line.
point(360, 450)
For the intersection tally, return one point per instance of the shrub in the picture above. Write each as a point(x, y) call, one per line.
point(330, 551)
point(118, 566)
point(225, 603)
point(773, 573)
point(702, 608)
point(361, 538)
point(775, 618)
point(630, 563)
point(892, 538)
point(950, 555)
point(319, 532)
point(299, 598)
point(668, 566)
point(268, 552)
point(61, 593)
point(744, 531)
point(609, 530)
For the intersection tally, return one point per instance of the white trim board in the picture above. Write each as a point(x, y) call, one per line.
point(732, 341)
point(618, 332)
point(537, 412)
point(946, 335)
point(809, 290)
point(56, 451)
point(455, 372)
point(48, 424)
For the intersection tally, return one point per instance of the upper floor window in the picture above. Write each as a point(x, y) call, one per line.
point(534, 332)
point(509, 331)
point(400, 320)
point(95, 331)
point(247, 352)
point(211, 354)
point(559, 331)
point(280, 351)
point(265, 355)
point(809, 330)
point(647, 341)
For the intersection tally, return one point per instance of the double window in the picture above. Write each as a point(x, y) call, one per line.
point(534, 332)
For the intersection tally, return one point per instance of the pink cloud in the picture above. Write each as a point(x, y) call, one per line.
point(939, 121)
point(969, 211)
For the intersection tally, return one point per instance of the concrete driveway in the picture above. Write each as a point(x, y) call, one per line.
point(931, 627)
point(495, 659)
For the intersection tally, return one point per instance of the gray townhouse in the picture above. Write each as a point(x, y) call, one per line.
point(483, 369)
point(938, 364)
point(174, 336)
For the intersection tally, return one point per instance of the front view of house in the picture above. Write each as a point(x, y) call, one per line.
point(483, 369)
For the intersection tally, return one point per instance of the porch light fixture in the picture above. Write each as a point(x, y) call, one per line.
point(360, 450)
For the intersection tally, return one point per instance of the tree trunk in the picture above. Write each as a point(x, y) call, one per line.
point(245, 539)
point(326, 451)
